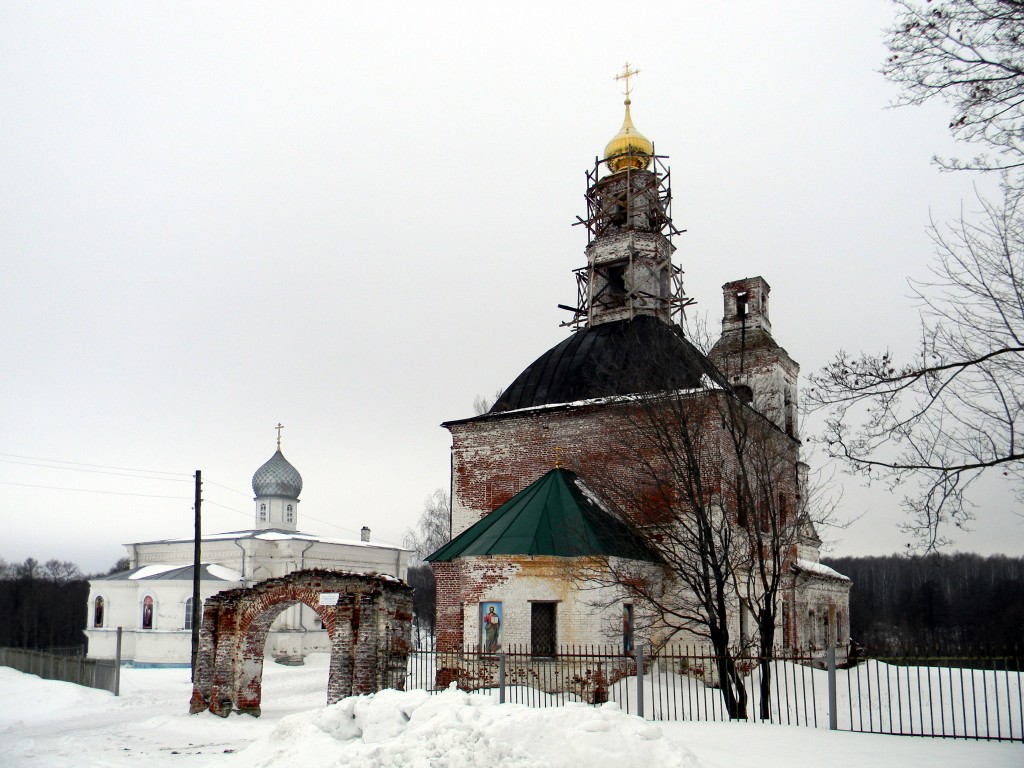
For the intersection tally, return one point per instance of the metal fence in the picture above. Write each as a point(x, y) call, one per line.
point(978, 696)
point(94, 673)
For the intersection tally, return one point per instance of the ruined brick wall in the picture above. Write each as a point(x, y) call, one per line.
point(370, 628)
point(818, 612)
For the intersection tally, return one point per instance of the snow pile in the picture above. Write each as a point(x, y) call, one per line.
point(453, 729)
point(49, 724)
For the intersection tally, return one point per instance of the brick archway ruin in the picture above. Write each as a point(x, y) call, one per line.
point(368, 618)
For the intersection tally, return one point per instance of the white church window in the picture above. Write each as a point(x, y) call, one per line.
point(188, 614)
point(289, 514)
point(263, 513)
point(147, 612)
point(97, 615)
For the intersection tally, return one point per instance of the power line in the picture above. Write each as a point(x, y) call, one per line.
point(99, 471)
point(98, 466)
point(226, 488)
point(89, 490)
point(222, 506)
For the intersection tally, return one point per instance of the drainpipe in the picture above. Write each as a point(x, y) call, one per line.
point(245, 581)
point(302, 565)
point(451, 486)
point(302, 555)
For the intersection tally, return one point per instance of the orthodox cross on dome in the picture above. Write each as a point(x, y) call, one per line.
point(279, 427)
point(625, 75)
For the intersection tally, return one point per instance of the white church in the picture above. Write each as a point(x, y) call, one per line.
point(152, 600)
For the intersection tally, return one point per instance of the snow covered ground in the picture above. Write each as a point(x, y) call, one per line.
point(46, 723)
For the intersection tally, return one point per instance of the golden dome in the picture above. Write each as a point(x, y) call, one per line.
point(628, 148)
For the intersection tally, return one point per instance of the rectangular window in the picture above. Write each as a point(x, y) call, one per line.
point(543, 635)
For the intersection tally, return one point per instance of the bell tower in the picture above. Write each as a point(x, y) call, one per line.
point(629, 269)
point(759, 369)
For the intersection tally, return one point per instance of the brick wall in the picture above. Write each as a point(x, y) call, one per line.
point(495, 457)
point(370, 630)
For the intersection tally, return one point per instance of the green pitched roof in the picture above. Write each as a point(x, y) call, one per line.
point(556, 515)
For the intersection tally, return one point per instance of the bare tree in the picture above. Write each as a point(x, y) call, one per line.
point(61, 571)
point(955, 410)
point(434, 529)
point(27, 570)
point(673, 499)
point(424, 600)
point(971, 54)
point(482, 405)
point(710, 485)
point(432, 532)
point(770, 512)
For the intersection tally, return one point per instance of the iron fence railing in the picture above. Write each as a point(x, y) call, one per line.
point(976, 696)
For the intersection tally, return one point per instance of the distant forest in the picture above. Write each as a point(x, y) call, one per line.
point(954, 601)
point(946, 601)
point(43, 605)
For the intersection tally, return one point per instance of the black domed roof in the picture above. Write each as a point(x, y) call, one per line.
point(277, 478)
point(624, 357)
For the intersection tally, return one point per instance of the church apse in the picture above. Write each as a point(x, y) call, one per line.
point(368, 618)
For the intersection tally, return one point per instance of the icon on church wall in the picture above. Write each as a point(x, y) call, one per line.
point(147, 612)
point(490, 627)
point(97, 618)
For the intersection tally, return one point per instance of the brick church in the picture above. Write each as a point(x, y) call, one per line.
point(553, 477)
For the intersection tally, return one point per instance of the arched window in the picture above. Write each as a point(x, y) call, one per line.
point(289, 514)
point(147, 612)
point(188, 614)
point(263, 513)
point(97, 613)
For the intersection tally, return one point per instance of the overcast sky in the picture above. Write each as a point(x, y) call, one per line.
point(355, 217)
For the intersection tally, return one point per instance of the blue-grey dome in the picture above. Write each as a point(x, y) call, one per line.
point(277, 478)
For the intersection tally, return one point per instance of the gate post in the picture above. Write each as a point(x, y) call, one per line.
point(501, 677)
point(640, 680)
point(833, 716)
point(117, 665)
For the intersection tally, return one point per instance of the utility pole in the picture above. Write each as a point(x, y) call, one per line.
point(196, 613)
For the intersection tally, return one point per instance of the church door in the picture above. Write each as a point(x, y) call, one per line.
point(542, 629)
